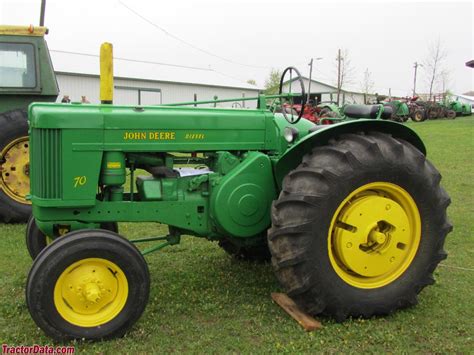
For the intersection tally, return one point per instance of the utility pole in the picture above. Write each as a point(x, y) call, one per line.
point(414, 79)
point(310, 78)
point(309, 84)
point(43, 10)
point(339, 58)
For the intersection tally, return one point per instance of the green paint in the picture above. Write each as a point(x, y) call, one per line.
point(45, 89)
point(79, 155)
point(400, 109)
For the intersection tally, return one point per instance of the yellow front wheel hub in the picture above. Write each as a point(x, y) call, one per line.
point(91, 292)
point(15, 169)
point(374, 235)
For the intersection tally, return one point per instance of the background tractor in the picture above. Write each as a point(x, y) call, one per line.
point(352, 214)
point(403, 109)
point(27, 76)
point(417, 111)
point(400, 110)
point(457, 108)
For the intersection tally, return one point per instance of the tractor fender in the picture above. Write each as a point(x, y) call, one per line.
point(293, 156)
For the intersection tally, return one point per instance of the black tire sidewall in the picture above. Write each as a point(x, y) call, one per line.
point(35, 239)
point(13, 125)
point(63, 252)
point(415, 184)
point(415, 116)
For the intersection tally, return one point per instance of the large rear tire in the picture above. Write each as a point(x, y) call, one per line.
point(91, 284)
point(359, 227)
point(14, 167)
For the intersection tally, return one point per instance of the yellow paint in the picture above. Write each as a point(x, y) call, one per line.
point(114, 165)
point(374, 235)
point(91, 292)
point(149, 136)
point(194, 136)
point(15, 171)
point(23, 30)
point(106, 73)
point(79, 181)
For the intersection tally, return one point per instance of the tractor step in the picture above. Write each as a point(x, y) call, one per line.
point(289, 306)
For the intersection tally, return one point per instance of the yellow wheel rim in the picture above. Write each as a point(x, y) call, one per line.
point(374, 235)
point(15, 170)
point(91, 292)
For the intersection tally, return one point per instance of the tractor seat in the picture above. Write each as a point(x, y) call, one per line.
point(361, 111)
point(366, 111)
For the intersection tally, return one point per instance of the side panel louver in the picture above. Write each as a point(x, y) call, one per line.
point(47, 163)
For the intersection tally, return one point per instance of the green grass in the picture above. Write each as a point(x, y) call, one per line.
point(201, 300)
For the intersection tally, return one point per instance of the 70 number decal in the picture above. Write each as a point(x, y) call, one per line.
point(80, 181)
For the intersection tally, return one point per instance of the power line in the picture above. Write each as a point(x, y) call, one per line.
point(149, 62)
point(186, 42)
point(133, 60)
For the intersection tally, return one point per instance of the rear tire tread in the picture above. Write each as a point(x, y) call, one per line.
point(290, 234)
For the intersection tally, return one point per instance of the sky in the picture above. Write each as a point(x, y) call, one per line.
point(246, 39)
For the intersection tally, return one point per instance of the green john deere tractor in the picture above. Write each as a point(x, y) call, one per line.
point(458, 108)
point(352, 214)
point(27, 76)
point(400, 110)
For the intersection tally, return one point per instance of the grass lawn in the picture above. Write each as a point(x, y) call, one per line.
point(201, 300)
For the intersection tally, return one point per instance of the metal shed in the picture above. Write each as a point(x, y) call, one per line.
point(147, 83)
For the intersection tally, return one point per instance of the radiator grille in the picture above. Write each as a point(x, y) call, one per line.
point(46, 163)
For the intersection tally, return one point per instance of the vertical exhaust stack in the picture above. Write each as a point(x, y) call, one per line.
point(43, 10)
point(106, 73)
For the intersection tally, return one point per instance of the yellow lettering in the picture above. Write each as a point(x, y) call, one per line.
point(79, 181)
point(151, 135)
point(192, 135)
point(114, 165)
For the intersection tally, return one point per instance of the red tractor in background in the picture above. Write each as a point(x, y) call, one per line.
point(311, 112)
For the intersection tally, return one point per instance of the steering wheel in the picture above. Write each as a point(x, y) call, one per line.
point(291, 118)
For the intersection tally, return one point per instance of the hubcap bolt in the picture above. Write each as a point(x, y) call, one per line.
point(92, 292)
point(377, 237)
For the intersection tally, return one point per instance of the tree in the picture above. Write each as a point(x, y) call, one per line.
point(367, 84)
point(444, 80)
point(252, 82)
point(272, 83)
point(433, 63)
point(345, 70)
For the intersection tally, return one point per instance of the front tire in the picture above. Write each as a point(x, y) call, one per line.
point(359, 227)
point(418, 116)
point(92, 284)
point(36, 240)
point(451, 114)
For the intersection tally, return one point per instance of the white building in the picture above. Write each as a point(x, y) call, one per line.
point(325, 92)
point(146, 83)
